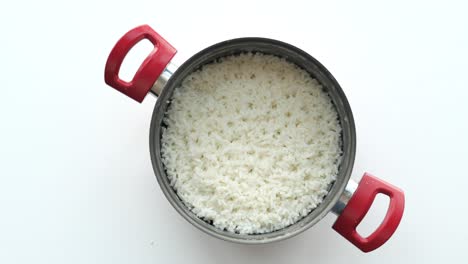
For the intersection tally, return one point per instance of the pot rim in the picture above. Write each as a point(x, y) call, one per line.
point(347, 122)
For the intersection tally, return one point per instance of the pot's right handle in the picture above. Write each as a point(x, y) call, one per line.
point(150, 69)
point(357, 206)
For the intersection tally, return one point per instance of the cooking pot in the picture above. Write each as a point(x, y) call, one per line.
point(349, 200)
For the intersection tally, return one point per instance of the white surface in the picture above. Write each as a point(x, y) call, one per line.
point(76, 179)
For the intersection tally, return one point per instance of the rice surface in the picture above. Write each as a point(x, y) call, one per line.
point(252, 143)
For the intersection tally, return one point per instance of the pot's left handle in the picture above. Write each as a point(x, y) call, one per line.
point(149, 71)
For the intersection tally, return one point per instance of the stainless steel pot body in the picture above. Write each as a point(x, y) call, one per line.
point(294, 55)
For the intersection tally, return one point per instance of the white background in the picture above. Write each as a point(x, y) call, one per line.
point(76, 183)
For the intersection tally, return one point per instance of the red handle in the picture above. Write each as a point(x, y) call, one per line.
point(149, 70)
point(358, 206)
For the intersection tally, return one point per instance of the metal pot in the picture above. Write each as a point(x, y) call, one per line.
point(349, 200)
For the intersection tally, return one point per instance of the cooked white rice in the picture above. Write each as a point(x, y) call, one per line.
point(252, 143)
